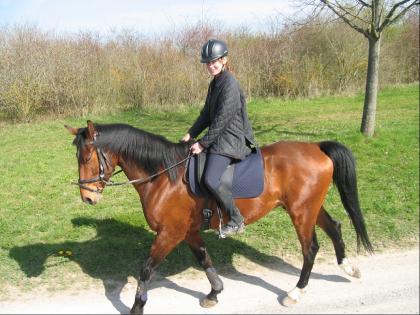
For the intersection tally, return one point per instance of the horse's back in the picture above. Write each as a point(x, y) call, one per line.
point(295, 153)
point(291, 164)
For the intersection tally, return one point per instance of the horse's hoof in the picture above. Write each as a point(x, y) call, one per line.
point(287, 301)
point(356, 273)
point(207, 303)
point(350, 269)
point(136, 309)
point(293, 297)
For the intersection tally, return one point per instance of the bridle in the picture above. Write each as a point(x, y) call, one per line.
point(104, 162)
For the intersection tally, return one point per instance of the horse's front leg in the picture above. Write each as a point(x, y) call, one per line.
point(199, 250)
point(163, 244)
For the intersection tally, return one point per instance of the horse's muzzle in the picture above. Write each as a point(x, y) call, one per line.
point(91, 199)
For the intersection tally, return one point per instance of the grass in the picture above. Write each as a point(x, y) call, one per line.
point(41, 213)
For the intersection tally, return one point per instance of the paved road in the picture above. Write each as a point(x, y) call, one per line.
point(389, 285)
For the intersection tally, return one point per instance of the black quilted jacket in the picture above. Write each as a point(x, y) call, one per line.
point(224, 113)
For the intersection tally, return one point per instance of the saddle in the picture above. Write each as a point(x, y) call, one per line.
point(245, 178)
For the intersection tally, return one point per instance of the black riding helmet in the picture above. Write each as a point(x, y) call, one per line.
point(212, 50)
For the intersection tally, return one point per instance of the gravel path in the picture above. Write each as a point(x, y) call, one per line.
point(389, 285)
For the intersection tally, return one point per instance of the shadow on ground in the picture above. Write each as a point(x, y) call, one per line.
point(118, 250)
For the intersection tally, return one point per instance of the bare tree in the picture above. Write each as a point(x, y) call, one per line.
point(370, 18)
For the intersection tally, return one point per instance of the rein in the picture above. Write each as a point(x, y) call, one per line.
point(101, 178)
point(144, 180)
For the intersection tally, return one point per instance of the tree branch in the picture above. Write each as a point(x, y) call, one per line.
point(345, 19)
point(389, 19)
point(348, 12)
point(364, 4)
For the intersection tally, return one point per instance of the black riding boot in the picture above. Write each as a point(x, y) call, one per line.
point(236, 222)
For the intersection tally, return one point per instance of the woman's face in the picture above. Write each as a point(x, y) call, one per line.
point(215, 67)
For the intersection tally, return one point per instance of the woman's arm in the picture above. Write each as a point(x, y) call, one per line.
point(201, 122)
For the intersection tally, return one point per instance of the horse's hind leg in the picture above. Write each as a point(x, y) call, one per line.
point(163, 244)
point(199, 250)
point(310, 246)
point(304, 213)
point(333, 230)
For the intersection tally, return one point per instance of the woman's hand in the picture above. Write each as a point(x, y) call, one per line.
point(196, 148)
point(186, 138)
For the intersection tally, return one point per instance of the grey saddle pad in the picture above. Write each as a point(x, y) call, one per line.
point(248, 176)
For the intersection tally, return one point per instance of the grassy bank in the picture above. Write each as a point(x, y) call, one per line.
point(41, 214)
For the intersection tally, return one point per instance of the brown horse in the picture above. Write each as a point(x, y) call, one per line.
point(297, 178)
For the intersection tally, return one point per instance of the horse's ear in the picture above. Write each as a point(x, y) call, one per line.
point(91, 130)
point(72, 130)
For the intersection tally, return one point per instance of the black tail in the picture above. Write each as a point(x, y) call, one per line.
point(344, 177)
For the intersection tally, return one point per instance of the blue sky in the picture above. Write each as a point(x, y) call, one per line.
point(145, 16)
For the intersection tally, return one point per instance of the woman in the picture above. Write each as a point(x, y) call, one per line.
point(229, 136)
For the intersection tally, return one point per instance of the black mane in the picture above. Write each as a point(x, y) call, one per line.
point(149, 151)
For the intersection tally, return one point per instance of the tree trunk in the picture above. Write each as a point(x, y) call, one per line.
point(371, 92)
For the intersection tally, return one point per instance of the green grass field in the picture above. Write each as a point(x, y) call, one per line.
point(41, 213)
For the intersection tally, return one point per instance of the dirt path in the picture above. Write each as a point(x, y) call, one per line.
point(389, 285)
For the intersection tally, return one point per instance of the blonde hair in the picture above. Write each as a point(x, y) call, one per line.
point(227, 65)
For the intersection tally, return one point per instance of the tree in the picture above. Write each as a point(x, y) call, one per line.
point(370, 18)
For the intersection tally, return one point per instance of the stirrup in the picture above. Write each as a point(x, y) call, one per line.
point(229, 229)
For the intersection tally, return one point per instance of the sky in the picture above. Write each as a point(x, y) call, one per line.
point(149, 17)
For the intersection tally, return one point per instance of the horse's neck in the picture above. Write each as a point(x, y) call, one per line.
point(147, 188)
point(131, 170)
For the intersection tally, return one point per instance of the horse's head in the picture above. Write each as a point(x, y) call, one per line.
point(95, 165)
